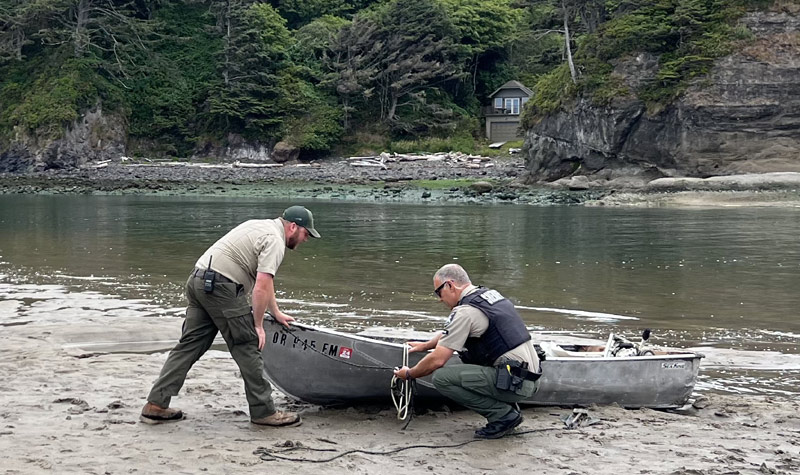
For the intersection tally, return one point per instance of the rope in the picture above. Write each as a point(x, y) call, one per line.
point(403, 391)
point(268, 455)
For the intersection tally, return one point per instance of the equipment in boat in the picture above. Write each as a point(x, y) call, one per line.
point(620, 346)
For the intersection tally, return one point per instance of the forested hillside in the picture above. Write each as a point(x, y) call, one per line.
point(189, 77)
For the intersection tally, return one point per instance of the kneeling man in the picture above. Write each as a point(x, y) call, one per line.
point(500, 366)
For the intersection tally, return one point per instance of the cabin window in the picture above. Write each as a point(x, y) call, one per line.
point(498, 103)
point(512, 105)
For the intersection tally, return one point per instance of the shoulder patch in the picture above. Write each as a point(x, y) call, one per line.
point(450, 317)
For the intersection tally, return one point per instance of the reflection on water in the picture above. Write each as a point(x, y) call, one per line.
point(720, 279)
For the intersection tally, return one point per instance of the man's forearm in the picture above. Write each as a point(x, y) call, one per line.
point(431, 344)
point(431, 362)
point(263, 300)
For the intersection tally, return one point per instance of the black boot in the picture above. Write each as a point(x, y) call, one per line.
point(500, 427)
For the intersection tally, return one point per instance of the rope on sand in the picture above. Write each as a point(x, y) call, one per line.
point(269, 455)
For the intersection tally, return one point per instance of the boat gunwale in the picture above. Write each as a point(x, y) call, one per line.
point(690, 354)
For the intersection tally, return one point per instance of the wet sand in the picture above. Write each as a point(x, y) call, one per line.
point(70, 406)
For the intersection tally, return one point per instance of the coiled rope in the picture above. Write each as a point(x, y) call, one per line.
point(403, 391)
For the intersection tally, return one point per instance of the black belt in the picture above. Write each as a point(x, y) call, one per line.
point(219, 277)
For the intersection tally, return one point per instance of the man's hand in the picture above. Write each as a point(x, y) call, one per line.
point(262, 338)
point(402, 373)
point(282, 318)
point(417, 346)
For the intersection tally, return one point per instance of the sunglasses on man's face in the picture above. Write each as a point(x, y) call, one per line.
point(438, 290)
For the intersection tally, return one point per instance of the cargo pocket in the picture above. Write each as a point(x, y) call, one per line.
point(240, 325)
point(474, 378)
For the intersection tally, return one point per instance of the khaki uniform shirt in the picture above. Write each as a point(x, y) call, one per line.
point(467, 321)
point(254, 246)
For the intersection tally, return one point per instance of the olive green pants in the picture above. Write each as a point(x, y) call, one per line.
point(225, 310)
point(473, 387)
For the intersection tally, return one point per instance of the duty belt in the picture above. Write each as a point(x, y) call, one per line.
point(197, 272)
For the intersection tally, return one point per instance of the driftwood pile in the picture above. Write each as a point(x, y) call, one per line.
point(451, 158)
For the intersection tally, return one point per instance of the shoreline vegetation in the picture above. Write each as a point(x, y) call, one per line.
point(484, 180)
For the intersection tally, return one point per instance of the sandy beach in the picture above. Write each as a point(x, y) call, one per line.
point(71, 397)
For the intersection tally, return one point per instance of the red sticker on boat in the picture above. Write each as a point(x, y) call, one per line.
point(345, 352)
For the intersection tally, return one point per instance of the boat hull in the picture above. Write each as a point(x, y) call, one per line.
point(322, 366)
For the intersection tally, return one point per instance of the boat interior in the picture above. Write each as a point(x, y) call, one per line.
point(552, 349)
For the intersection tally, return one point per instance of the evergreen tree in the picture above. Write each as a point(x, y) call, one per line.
point(247, 96)
point(390, 58)
point(481, 27)
point(15, 28)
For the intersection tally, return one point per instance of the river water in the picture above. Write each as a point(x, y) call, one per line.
point(723, 281)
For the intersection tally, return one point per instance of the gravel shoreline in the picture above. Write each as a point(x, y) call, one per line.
point(500, 180)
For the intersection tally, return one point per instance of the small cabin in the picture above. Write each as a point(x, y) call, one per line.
point(502, 117)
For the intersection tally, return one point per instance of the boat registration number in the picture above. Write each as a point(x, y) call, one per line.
point(291, 341)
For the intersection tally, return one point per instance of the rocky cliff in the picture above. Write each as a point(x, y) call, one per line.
point(95, 136)
point(744, 117)
point(99, 136)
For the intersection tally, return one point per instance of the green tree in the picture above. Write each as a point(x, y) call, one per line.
point(246, 97)
point(107, 33)
point(313, 42)
point(166, 102)
point(15, 28)
point(392, 55)
point(482, 26)
point(301, 12)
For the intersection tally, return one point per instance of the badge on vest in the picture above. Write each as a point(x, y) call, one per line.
point(491, 297)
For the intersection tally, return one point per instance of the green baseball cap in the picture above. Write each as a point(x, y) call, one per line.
point(303, 217)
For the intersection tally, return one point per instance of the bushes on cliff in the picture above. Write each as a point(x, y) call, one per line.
point(44, 101)
point(686, 36)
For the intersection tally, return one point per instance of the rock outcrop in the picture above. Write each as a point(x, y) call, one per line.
point(744, 117)
point(95, 136)
point(235, 148)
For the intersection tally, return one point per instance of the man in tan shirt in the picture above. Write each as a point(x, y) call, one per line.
point(500, 366)
point(242, 262)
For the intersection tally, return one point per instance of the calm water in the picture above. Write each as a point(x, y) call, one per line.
point(725, 280)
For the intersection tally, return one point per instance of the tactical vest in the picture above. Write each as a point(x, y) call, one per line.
point(506, 329)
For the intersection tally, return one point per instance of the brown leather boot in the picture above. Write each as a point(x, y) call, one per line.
point(153, 414)
point(279, 419)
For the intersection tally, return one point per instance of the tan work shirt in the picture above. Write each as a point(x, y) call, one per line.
point(254, 246)
point(467, 321)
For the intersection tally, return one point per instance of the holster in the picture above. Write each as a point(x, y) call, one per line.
point(511, 374)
